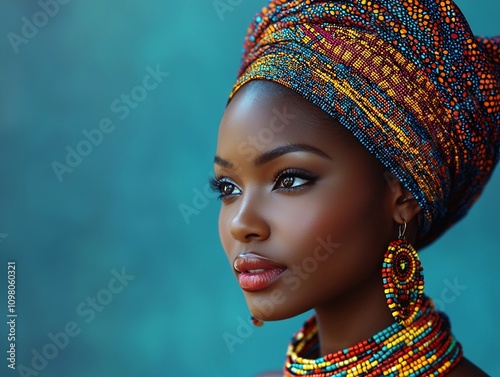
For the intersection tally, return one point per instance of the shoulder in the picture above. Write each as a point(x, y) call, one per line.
point(466, 369)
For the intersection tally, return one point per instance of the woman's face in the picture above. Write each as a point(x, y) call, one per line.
point(305, 219)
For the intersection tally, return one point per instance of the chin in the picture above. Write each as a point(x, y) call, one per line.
point(272, 306)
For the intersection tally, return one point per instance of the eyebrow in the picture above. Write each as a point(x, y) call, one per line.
point(224, 163)
point(268, 156)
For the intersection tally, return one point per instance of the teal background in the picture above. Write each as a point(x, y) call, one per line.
point(119, 208)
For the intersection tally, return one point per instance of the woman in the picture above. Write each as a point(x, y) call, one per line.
point(356, 133)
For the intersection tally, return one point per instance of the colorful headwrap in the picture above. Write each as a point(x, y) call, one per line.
point(407, 78)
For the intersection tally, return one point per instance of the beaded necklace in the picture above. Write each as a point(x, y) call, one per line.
point(425, 347)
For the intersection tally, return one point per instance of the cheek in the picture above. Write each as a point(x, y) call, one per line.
point(339, 212)
point(303, 222)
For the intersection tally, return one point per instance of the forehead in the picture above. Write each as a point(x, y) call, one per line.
point(274, 112)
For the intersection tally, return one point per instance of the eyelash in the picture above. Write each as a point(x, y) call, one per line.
point(295, 173)
point(216, 183)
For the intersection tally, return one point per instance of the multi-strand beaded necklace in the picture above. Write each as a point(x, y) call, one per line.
point(425, 347)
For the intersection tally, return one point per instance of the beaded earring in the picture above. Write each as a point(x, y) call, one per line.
point(403, 279)
point(256, 322)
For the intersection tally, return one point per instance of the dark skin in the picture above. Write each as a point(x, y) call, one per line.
point(328, 187)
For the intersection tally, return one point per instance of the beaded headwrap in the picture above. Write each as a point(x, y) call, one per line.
point(407, 78)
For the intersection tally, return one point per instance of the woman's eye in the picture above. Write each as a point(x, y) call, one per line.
point(227, 188)
point(293, 180)
point(224, 187)
point(289, 182)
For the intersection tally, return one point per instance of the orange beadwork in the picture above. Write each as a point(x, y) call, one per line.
point(403, 281)
point(423, 348)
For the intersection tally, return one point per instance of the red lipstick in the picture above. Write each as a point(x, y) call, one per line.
point(256, 272)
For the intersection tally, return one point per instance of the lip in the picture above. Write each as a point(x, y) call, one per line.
point(256, 272)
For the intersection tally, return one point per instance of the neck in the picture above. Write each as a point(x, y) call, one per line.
point(353, 318)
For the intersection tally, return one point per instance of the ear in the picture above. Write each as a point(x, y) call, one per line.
point(404, 206)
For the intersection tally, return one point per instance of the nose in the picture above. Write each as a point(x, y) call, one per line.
point(249, 223)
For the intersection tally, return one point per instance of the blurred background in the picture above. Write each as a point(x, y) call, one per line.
point(108, 121)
